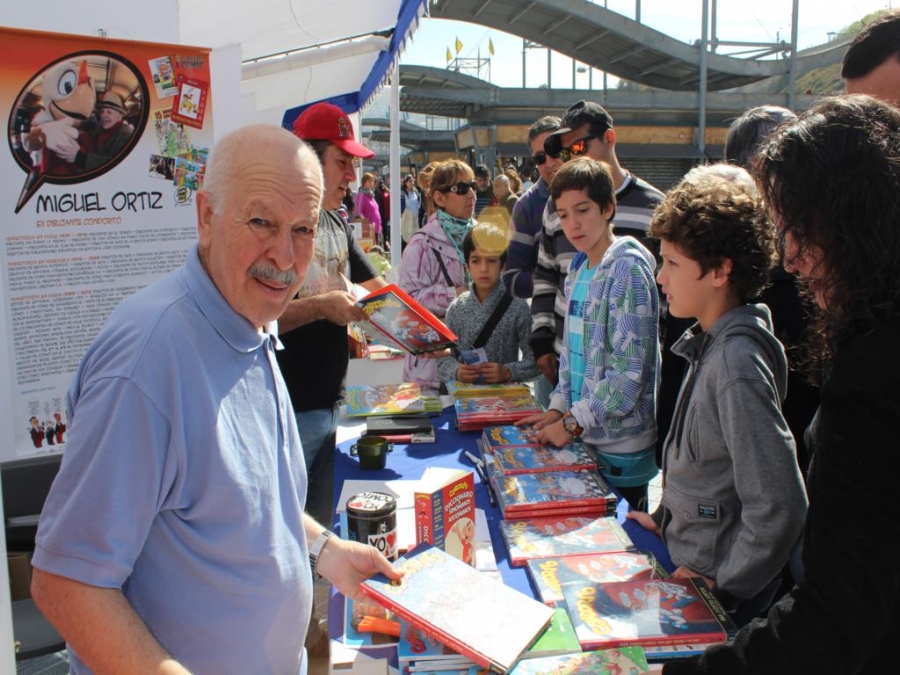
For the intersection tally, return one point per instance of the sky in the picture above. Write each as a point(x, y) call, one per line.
point(738, 20)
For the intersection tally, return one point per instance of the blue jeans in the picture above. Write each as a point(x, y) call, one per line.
point(317, 429)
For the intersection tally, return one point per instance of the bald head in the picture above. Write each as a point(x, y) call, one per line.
point(258, 212)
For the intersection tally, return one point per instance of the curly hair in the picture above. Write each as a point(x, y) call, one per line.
point(832, 180)
point(716, 213)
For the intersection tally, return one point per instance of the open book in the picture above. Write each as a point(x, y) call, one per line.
point(403, 322)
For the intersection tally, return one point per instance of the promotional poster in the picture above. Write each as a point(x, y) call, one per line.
point(107, 144)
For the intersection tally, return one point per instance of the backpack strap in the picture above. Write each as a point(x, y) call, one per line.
point(492, 321)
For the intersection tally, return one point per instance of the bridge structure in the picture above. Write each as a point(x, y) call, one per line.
point(677, 118)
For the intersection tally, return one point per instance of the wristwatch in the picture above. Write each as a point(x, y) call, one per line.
point(316, 550)
point(571, 425)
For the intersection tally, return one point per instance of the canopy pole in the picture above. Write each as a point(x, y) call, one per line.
point(396, 238)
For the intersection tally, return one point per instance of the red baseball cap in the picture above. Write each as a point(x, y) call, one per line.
point(327, 122)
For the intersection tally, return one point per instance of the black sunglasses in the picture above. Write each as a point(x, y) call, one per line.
point(539, 158)
point(461, 188)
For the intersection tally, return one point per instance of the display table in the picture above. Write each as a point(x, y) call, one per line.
point(410, 461)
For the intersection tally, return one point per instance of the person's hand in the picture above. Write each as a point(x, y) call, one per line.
point(548, 364)
point(340, 307)
point(686, 573)
point(467, 373)
point(644, 520)
point(540, 420)
point(494, 373)
point(346, 564)
point(554, 433)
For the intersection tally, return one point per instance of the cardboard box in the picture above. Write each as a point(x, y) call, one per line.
point(19, 563)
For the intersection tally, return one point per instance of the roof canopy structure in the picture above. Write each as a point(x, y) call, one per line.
point(622, 47)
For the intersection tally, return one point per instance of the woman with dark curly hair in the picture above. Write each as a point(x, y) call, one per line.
point(832, 184)
point(730, 474)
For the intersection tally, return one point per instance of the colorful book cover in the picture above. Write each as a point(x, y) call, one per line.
point(415, 644)
point(536, 459)
point(189, 104)
point(384, 399)
point(562, 536)
point(476, 413)
point(445, 516)
point(624, 661)
point(458, 389)
point(163, 77)
point(363, 621)
point(510, 436)
point(525, 492)
point(548, 575)
point(482, 619)
point(645, 612)
point(393, 313)
point(559, 638)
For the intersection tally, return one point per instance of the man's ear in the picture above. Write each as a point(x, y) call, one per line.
point(609, 136)
point(204, 218)
point(722, 273)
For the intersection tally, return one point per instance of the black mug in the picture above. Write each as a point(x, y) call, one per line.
point(372, 451)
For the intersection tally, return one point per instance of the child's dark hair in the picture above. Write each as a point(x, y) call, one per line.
point(489, 238)
point(715, 213)
point(585, 174)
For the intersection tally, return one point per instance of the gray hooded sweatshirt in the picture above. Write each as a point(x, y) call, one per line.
point(733, 500)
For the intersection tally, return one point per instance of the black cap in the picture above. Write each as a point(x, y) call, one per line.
point(579, 114)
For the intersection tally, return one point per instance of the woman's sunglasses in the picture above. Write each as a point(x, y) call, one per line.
point(461, 188)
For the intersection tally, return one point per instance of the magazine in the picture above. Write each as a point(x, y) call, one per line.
point(404, 322)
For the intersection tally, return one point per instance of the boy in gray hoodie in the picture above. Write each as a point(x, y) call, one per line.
point(733, 502)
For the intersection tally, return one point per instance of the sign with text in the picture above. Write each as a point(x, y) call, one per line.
point(98, 178)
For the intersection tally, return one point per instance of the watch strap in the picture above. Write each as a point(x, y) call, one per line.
point(316, 550)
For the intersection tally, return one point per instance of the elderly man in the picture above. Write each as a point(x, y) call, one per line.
point(872, 62)
point(314, 325)
point(174, 538)
point(101, 143)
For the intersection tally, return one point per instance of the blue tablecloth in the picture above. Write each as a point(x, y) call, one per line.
point(410, 461)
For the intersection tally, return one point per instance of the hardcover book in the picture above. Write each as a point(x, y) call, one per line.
point(509, 436)
point(532, 538)
point(405, 323)
point(384, 399)
point(476, 413)
point(549, 575)
point(646, 612)
point(415, 645)
point(458, 389)
point(445, 513)
point(522, 493)
point(624, 661)
point(540, 458)
point(460, 607)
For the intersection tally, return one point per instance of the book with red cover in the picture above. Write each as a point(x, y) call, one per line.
point(549, 575)
point(539, 458)
point(445, 515)
point(509, 436)
point(528, 492)
point(531, 538)
point(462, 608)
point(646, 613)
point(476, 413)
point(404, 322)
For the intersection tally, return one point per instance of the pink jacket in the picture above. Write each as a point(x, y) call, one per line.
point(368, 209)
point(422, 278)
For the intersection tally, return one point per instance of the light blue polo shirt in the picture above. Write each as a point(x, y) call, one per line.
point(183, 481)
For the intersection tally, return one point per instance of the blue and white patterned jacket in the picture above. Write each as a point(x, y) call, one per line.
point(617, 407)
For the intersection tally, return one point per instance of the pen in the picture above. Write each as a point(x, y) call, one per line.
point(487, 483)
point(475, 460)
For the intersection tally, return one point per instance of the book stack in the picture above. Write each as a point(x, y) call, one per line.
point(555, 537)
point(458, 389)
point(474, 413)
point(532, 480)
point(457, 606)
point(399, 412)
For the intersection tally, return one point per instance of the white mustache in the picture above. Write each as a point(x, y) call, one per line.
point(288, 277)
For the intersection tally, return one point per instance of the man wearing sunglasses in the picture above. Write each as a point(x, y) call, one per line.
point(587, 131)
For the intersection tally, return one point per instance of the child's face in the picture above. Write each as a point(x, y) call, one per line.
point(686, 288)
point(485, 269)
point(584, 222)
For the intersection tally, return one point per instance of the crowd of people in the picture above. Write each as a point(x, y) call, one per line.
point(193, 547)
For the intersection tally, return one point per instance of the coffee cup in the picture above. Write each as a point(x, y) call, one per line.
point(372, 451)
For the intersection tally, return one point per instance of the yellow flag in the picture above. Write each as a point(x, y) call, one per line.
point(459, 46)
point(449, 55)
point(491, 46)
